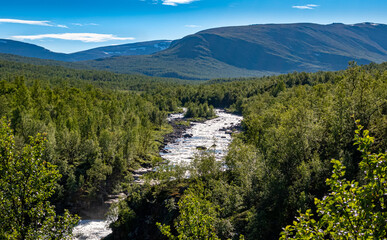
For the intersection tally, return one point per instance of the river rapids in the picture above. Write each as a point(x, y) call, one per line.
point(214, 134)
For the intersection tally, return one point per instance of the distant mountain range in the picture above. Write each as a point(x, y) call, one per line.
point(31, 50)
point(252, 50)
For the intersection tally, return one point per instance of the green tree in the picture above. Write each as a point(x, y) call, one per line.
point(26, 184)
point(197, 218)
point(351, 210)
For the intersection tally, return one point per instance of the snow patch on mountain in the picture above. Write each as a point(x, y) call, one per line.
point(138, 48)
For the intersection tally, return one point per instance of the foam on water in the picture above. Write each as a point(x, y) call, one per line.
point(91, 230)
point(203, 135)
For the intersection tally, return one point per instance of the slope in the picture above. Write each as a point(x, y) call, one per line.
point(30, 50)
point(259, 49)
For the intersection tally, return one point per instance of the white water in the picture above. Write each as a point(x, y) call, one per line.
point(208, 134)
point(182, 151)
point(91, 230)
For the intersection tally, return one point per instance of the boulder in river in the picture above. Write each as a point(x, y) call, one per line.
point(187, 135)
point(201, 148)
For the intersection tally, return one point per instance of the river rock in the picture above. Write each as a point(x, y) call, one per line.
point(201, 148)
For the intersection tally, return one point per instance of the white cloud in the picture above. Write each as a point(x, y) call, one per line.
point(176, 2)
point(192, 26)
point(84, 24)
point(84, 37)
point(308, 6)
point(30, 22)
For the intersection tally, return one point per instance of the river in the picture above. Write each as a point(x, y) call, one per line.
point(212, 134)
point(91, 230)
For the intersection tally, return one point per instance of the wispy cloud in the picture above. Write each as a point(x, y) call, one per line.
point(308, 6)
point(84, 37)
point(176, 2)
point(84, 24)
point(30, 22)
point(192, 26)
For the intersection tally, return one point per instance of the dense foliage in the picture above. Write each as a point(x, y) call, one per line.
point(200, 111)
point(196, 220)
point(352, 209)
point(294, 124)
point(94, 136)
point(61, 77)
point(26, 184)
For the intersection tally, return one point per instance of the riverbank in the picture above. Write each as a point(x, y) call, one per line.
point(158, 203)
point(180, 126)
point(178, 146)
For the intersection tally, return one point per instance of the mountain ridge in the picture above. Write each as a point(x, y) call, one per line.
point(24, 49)
point(251, 50)
point(260, 49)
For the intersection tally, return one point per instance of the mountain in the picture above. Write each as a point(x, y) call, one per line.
point(240, 51)
point(140, 48)
point(41, 62)
point(31, 50)
point(259, 49)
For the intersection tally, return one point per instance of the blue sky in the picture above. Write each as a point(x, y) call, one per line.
point(74, 25)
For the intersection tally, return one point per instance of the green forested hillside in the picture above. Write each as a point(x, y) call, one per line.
point(101, 126)
point(66, 75)
point(98, 130)
point(202, 68)
point(293, 126)
point(39, 61)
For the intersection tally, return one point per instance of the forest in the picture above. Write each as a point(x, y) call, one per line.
point(86, 131)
